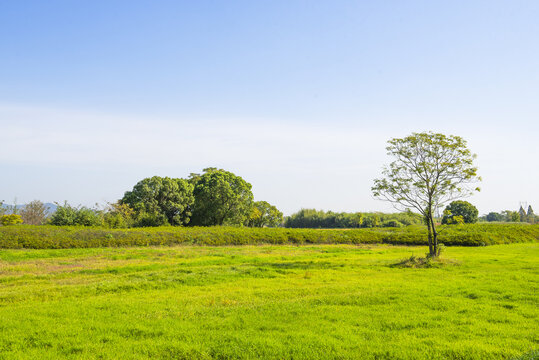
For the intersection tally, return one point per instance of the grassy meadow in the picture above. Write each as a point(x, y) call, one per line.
point(269, 301)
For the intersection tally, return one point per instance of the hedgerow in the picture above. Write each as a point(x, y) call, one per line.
point(57, 237)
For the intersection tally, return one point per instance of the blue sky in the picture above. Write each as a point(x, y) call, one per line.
point(298, 97)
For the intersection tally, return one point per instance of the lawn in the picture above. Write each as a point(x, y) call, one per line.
point(269, 301)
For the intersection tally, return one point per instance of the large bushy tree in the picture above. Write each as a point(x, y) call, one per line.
point(467, 211)
point(428, 171)
point(161, 201)
point(221, 198)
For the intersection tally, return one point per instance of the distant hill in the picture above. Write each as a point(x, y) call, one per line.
point(51, 208)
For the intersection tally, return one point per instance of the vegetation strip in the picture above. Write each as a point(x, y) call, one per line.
point(57, 237)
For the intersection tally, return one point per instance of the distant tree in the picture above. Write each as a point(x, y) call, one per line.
point(530, 215)
point(221, 198)
point(9, 209)
point(370, 221)
point(450, 219)
point(511, 216)
point(392, 223)
point(429, 171)
point(522, 214)
point(494, 216)
point(34, 213)
point(67, 215)
point(160, 201)
point(467, 211)
point(317, 219)
point(264, 214)
point(118, 216)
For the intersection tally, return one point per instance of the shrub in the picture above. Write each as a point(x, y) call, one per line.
point(52, 237)
point(67, 215)
point(392, 223)
point(11, 219)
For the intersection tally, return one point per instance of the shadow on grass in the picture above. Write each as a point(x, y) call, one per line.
point(423, 262)
point(303, 265)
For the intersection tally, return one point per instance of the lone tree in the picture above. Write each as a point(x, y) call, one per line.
point(429, 171)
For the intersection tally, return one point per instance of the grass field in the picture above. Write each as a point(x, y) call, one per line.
point(269, 301)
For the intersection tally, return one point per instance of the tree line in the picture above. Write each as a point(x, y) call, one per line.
point(428, 171)
point(311, 218)
point(215, 197)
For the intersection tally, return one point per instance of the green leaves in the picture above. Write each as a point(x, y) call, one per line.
point(221, 198)
point(159, 201)
point(264, 214)
point(462, 209)
point(429, 169)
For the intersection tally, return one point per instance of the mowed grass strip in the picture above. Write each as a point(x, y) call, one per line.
point(269, 301)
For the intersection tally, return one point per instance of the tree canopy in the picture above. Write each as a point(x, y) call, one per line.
point(264, 214)
point(161, 201)
point(428, 171)
point(221, 198)
point(467, 211)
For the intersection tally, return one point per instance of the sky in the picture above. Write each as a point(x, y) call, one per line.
point(297, 97)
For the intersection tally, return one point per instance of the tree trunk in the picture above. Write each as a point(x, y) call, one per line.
point(434, 252)
point(429, 236)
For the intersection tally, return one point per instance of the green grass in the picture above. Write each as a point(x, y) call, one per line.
point(269, 301)
point(64, 237)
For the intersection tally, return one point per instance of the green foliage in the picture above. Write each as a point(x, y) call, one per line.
point(494, 216)
point(463, 209)
point(221, 198)
point(522, 215)
point(158, 201)
point(428, 171)
point(52, 237)
point(532, 218)
point(67, 215)
point(263, 214)
point(318, 219)
point(11, 219)
point(119, 216)
point(392, 223)
point(511, 216)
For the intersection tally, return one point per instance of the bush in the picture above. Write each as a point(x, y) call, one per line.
point(67, 215)
point(392, 223)
point(53, 237)
point(12, 219)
